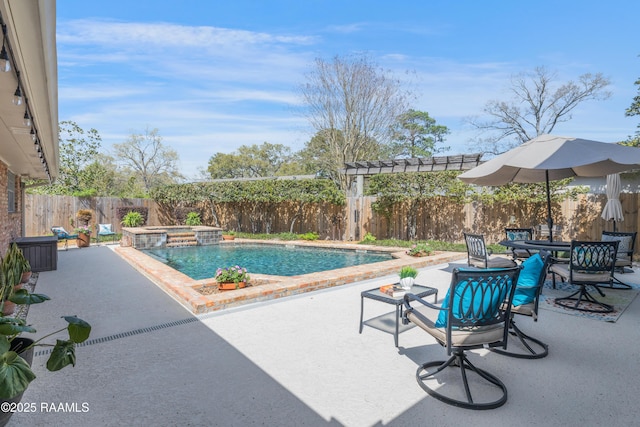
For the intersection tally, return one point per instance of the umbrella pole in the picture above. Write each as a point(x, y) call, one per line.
point(549, 219)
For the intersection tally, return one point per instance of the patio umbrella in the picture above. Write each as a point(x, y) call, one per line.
point(549, 158)
point(613, 208)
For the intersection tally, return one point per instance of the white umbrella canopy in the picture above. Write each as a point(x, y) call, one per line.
point(559, 156)
point(613, 209)
point(549, 158)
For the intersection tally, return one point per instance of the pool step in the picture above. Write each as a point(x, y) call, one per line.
point(181, 239)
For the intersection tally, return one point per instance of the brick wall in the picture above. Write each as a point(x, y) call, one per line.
point(10, 223)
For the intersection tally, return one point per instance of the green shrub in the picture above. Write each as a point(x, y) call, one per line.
point(368, 238)
point(309, 236)
point(133, 219)
point(193, 218)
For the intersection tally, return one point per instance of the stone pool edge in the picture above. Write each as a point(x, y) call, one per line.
point(183, 288)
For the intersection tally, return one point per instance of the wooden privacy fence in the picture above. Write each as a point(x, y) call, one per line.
point(43, 211)
point(442, 219)
point(435, 219)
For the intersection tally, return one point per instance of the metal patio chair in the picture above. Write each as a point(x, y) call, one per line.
point(520, 234)
point(525, 302)
point(624, 257)
point(474, 314)
point(591, 265)
point(478, 255)
point(105, 230)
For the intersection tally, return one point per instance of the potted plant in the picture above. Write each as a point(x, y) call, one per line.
point(26, 266)
point(193, 218)
point(10, 281)
point(228, 235)
point(420, 249)
point(234, 277)
point(16, 352)
point(14, 256)
point(132, 219)
point(407, 276)
point(84, 216)
point(84, 236)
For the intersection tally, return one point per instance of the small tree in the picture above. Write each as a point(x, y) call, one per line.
point(417, 135)
point(634, 110)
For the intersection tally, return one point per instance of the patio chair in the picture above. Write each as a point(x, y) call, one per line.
point(543, 232)
point(520, 234)
point(624, 257)
point(525, 302)
point(474, 314)
point(62, 234)
point(591, 265)
point(105, 230)
point(478, 255)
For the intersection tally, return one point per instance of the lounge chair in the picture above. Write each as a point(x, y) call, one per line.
point(62, 234)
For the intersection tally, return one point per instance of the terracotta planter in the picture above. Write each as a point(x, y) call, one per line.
point(83, 240)
point(26, 276)
point(10, 307)
point(228, 237)
point(227, 286)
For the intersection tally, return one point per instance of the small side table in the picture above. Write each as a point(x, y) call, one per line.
point(375, 294)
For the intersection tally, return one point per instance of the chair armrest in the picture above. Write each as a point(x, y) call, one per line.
point(408, 308)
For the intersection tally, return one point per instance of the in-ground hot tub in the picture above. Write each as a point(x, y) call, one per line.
point(160, 236)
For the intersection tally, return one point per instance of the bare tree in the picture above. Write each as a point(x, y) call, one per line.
point(353, 105)
point(634, 110)
point(536, 108)
point(148, 159)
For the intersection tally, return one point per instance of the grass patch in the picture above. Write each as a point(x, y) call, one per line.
point(436, 245)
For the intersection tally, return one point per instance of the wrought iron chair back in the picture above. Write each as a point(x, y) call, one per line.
point(479, 298)
point(592, 258)
point(520, 234)
point(476, 249)
point(591, 265)
point(477, 311)
point(478, 255)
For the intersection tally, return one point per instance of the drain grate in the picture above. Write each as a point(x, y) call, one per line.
point(125, 334)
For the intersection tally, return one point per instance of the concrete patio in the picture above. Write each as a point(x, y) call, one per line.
point(301, 361)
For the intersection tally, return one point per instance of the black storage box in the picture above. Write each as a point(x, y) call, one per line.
point(40, 251)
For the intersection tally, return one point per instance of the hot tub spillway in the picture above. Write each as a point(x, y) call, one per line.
point(182, 238)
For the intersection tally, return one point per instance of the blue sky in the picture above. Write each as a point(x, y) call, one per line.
point(213, 75)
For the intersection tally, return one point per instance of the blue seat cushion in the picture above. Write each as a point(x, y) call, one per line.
point(528, 280)
point(466, 293)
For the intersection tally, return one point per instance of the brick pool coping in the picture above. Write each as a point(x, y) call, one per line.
point(184, 289)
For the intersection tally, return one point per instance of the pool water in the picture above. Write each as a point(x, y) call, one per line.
point(201, 262)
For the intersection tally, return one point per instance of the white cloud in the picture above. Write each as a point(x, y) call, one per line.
point(210, 89)
point(166, 35)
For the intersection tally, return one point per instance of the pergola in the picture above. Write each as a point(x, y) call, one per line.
point(362, 169)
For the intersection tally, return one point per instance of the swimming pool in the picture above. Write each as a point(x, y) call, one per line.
point(200, 262)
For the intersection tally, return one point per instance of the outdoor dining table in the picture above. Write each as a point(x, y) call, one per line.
point(536, 245)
